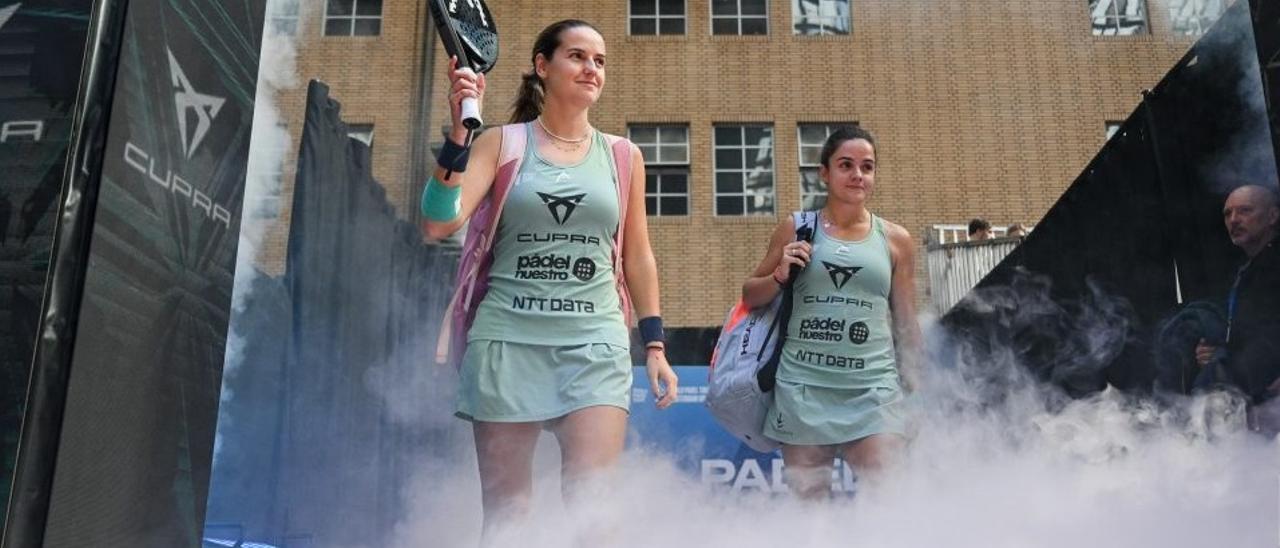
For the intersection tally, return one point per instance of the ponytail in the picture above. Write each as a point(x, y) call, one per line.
point(528, 103)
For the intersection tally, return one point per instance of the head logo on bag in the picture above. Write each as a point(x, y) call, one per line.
point(744, 363)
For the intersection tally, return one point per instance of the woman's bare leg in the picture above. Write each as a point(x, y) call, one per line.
point(504, 452)
point(591, 442)
point(808, 470)
point(869, 456)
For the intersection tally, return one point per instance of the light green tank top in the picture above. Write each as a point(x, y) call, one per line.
point(839, 334)
point(552, 279)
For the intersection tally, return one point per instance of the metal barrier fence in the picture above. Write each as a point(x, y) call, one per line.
point(955, 268)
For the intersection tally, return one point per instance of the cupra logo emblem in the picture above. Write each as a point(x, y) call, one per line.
point(187, 98)
point(840, 275)
point(561, 206)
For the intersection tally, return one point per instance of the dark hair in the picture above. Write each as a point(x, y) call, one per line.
point(978, 224)
point(839, 136)
point(528, 103)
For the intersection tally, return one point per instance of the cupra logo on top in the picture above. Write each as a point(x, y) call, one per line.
point(186, 98)
point(561, 206)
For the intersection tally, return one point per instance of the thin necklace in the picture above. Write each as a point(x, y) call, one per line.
point(825, 218)
point(559, 138)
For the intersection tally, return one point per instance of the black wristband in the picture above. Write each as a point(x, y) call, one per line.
point(453, 157)
point(651, 330)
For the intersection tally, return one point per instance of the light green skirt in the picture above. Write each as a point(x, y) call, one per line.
point(815, 415)
point(513, 382)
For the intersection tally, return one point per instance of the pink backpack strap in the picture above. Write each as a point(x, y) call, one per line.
point(620, 149)
point(473, 265)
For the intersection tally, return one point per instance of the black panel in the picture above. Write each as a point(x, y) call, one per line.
point(41, 50)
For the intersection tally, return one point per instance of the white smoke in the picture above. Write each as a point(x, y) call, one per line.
point(998, 460)
point(1249, 156)
point(268, 146)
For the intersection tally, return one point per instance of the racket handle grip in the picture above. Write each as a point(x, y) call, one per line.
point(471, 113)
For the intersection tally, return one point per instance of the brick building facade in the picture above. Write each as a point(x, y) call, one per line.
point(981, 108)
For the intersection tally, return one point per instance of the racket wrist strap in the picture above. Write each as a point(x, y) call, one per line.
point(453, 157)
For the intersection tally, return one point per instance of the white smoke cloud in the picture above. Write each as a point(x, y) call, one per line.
point(268, 145)
point(998, 460)
point(1103, 472)
point(1249, 156)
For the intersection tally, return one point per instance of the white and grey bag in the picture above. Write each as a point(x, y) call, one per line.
point(745, 361)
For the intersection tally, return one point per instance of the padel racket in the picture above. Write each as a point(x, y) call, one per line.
point(468, 31)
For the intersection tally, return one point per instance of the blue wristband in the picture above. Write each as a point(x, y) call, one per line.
point(453, 157)
point(440, 202)
point(651, 330)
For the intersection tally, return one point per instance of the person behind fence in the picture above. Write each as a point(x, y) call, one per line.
point(979, 229)
point(1247, 357)
point(549, 347)
point(1016, 230)
point(853, 341)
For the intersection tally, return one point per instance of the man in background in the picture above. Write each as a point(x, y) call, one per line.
point(1249, 357)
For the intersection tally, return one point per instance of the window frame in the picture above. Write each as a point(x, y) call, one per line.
point(285, 23)
point(658, 196)
point(744, 195)
point(738, 17)
point(659, 167)
point(1194, 26)
point(1114, 18)
point(1112, 127)
point(352, 18)
point(848, 19)
point(357, 131)
point(657, 19)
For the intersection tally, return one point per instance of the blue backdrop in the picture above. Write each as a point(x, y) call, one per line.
point(688, 433)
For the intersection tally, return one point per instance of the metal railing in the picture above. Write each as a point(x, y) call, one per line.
point(955, 268)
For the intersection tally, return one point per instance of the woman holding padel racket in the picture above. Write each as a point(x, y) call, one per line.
point(563, 235)
point(852, 344)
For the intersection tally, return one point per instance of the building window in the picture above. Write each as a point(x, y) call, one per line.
point(1118, 17)
point(282, 17)
point(666, 157)
point(739, 17)
point(820, 17)
point(657, 16)
point(353, 18)
point(743, 156)
point(1113, 128)
point(1194, 17)
point(361, 132)
point(811, 137)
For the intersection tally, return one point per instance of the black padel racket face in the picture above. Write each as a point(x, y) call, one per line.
point(468, 31)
